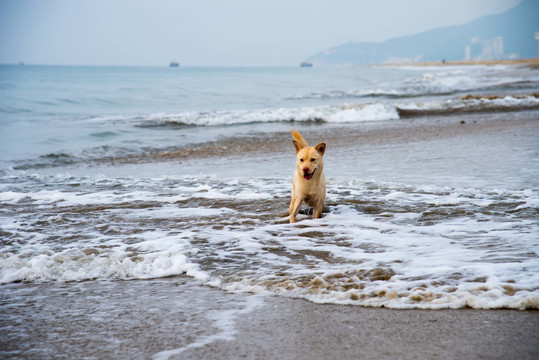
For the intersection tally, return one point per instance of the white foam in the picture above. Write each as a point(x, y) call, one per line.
point(47, 197)
point(177, 213)
point(485, 104)
point(346, 113)
point(328, 113)
point(88, 263)
point(422, 246)
point(423, 260)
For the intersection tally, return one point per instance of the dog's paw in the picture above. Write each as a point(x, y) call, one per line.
point(309, 211)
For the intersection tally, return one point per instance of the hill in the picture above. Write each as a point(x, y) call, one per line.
point(509, 35)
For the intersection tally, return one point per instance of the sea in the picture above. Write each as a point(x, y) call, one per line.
point(140, 199)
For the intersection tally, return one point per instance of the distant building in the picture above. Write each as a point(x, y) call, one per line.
point(475, 48)
point(489, 49)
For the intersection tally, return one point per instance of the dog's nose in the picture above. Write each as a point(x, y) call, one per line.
point(306, 170)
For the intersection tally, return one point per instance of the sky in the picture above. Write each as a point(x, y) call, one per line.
point(213, 32)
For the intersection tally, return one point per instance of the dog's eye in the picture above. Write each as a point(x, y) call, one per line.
point(300, 160)
point(313, 160)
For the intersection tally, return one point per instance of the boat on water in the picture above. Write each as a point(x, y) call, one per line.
point(174, 64)
point(306, 64)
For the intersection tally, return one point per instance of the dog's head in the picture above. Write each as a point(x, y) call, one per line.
point(309, 161)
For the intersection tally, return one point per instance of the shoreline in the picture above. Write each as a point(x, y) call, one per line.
point(532, 62)
point(178, 318)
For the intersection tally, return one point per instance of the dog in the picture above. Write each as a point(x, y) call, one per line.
point(309, 182)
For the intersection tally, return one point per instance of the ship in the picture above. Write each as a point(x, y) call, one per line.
point(174, 64)
point(306, 64)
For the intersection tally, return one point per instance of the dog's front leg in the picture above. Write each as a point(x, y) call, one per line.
point(318, 208)
point(295, 206)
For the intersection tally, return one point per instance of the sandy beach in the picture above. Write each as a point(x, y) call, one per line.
point(532, 63)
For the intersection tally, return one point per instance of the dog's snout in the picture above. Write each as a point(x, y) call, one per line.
point(306, 170)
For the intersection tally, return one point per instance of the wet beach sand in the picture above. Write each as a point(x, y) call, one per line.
point(177, 318)
point(297, 329)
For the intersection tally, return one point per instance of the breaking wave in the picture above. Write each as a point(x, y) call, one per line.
point(332, 114)
point(471, 104)
point(381, 244)
point(347, 113)
point(426, 84)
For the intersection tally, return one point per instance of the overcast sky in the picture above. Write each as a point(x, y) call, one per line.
point(213, 32)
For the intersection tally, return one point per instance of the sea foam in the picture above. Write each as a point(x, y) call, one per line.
point(346, 113)
point(381, 244)
point(327, 113)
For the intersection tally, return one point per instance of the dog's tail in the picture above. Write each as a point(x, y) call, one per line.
point(299, 139)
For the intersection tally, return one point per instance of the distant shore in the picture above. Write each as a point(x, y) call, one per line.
point(534, 63)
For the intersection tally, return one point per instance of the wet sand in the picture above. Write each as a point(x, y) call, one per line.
point(297, 329)
point(177, 318)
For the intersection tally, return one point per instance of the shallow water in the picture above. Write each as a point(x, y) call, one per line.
point(437, 237)
point(111, 319)
point(70, 113)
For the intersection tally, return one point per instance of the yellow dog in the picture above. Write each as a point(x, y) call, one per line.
point(309, 183)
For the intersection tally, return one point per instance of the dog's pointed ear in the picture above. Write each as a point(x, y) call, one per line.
point(321, 148)
point(298, 146)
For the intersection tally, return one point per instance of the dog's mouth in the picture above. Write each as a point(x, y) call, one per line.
point(308, 176)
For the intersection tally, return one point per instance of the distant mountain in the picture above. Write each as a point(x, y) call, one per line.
point(503, 36)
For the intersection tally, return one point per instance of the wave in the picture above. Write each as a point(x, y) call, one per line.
point(351, 94)
point(471, 104)
point(347, 113)
point(92, 263)
point(127, 153)
point(425, 85)
point(99, 154)
point(336, 114)
point(381, 244)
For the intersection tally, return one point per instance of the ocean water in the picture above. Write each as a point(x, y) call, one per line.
point(119, 180)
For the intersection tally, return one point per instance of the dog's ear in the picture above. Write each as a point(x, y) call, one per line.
point(321, 148)
point(298, 146)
